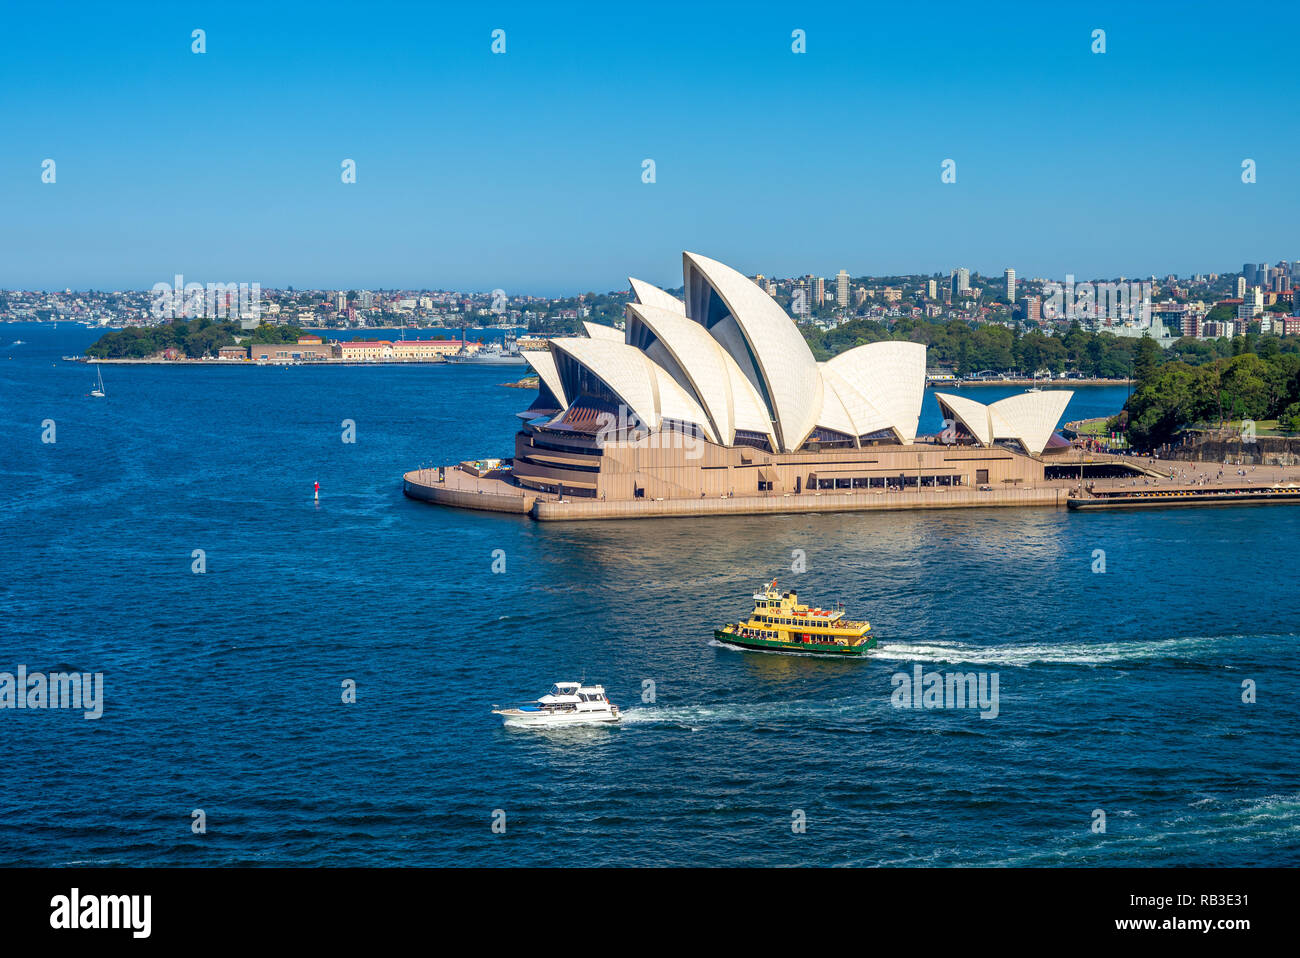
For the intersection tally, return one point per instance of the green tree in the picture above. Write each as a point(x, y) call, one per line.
point(1145, 360)
point(1244, 388)
point(1221, 313)
point(1289, 420)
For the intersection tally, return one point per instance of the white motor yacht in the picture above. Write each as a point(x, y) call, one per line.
point(567, 703)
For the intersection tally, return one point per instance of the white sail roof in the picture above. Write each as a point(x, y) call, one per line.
point(834, 415)
point(624, 370)
point(773, 353)
point(728, 359)
point(971, 414)
point(644, 387)
point(542, 361)
point(863, 415)
point(650, 295)
point(712, 375)
point(674, 402)
point(890, 375)
point(1030, 418)
point(599, 331)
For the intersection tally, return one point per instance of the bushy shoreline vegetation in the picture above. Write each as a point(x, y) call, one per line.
point(1170, 396)
point(966, 348)
point(195, 338)
point(1195, 382)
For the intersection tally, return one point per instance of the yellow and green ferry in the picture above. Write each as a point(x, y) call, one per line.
point(779, 623)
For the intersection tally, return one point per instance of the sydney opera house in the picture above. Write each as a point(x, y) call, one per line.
point(718, 396)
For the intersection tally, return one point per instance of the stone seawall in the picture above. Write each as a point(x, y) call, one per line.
point(1264, 451)
point(414, 487)
point(491, 494)
point(862, 501)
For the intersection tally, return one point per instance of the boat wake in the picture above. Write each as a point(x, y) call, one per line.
point(696, 717)
point(1266, 822)
point(1205, 649)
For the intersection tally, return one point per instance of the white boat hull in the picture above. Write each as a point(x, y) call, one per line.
point(544, 719)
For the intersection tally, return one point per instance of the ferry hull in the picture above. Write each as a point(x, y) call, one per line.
point(1236, 497)
point(805, 648)
point(488, 360)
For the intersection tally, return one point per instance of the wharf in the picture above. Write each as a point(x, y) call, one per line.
point(1172, 496)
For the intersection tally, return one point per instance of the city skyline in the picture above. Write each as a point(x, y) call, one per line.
point(830, 278)
point(525, 169)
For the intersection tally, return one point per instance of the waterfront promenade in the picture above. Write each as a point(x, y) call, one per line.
point(493, 492)
point(233, 363)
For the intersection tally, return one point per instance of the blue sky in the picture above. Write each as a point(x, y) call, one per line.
point(523, 170)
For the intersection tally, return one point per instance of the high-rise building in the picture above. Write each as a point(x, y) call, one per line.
point(817, 286)
point(1252, 305)
point(1010, 275)
point(1248, 273)
point(1032, 308)
point(1241, 287)
point(960, 281)
point(932, 289)
point(842, 287)
point(340, 301)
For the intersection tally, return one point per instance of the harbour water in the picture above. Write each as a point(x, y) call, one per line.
point(1120, 690)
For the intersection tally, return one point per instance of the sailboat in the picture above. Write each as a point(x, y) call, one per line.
point(98, 391)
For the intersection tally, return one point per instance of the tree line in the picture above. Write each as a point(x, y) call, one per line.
point(195, 338)
point(966, 348)
point(1171, 395)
